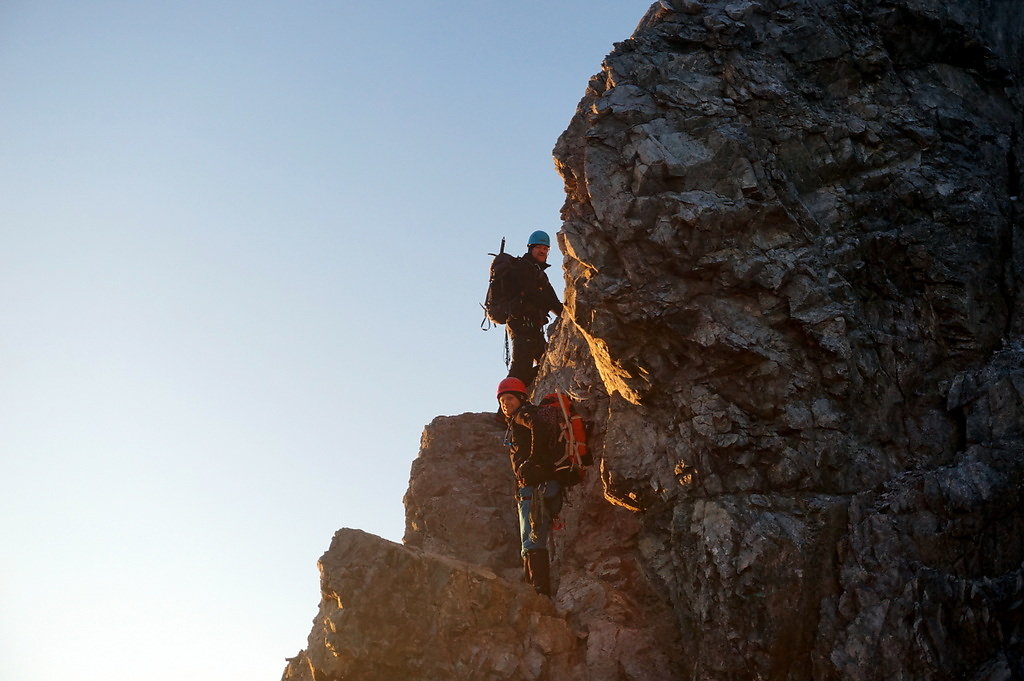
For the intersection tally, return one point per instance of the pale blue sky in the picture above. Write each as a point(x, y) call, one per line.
point(242, 247)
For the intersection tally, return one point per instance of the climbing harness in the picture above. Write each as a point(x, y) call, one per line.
point(540, 514)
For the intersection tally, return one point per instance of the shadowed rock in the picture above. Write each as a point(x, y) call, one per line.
point(795, 257)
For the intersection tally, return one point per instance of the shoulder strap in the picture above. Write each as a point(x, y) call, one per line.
point(570, 437)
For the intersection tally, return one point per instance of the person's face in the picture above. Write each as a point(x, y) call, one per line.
point(509, 403)
point(540, 252)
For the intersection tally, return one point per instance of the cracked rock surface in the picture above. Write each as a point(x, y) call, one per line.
point(794, 264)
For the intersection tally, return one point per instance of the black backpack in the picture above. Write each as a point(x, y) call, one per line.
point(500, 292)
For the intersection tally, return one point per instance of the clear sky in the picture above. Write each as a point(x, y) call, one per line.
point(242, 248)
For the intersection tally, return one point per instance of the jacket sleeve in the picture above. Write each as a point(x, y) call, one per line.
point(551, 299)
point(539, 293)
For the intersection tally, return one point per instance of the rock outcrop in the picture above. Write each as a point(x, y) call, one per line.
point(393, 613)
point(459, 498)
point(794, 267)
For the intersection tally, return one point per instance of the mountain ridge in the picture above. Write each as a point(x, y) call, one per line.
point(793, 262)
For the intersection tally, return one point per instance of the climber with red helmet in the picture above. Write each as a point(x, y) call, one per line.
point(533, 299)
point(534, 448)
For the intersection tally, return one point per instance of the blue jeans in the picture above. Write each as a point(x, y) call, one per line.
point(553, 501)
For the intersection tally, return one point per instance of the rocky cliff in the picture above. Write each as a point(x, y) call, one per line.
point(794, 264)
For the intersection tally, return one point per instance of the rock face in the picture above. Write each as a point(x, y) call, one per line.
point(793, 242)
point(393, 613)
point(459, 501)
point(794, 266)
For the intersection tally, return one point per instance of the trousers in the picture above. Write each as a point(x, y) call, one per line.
point(535, 535)
point(528, 346)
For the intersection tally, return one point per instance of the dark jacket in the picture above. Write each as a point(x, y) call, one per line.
point(535, 296)
point(535, 447)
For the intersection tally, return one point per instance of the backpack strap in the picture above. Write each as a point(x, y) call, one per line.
point(569, 435)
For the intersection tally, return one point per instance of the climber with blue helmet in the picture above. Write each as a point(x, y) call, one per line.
point(539, 238)
point(533, 299)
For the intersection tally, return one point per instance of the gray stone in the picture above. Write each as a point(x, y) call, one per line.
point(794, 316)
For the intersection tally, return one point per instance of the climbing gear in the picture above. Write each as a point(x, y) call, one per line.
point(508, 353)
point(573, 430)
point(512, 385)
point(539, 238)
point(497, 303)
point(540, 514)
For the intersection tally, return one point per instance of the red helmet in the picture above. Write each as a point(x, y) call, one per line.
point(512, 385)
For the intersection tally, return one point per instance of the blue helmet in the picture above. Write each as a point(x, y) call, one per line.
point(539, 238)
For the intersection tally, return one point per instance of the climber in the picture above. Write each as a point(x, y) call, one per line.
point(533, 300)
point(532, 437)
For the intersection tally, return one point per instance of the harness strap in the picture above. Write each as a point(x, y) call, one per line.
point(540, 516)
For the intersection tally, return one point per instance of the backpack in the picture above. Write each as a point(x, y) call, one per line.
point(500, 294)
point(573, 431)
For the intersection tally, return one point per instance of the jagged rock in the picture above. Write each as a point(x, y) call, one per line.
point(460, 500)
point(393, 613)
point(794, 264)
point(794, 254)
point(460, 508)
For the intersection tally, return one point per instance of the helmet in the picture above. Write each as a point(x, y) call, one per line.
point(539, 238)
point(512, 385)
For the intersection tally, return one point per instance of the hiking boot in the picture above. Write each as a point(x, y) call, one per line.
point(538, 570)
